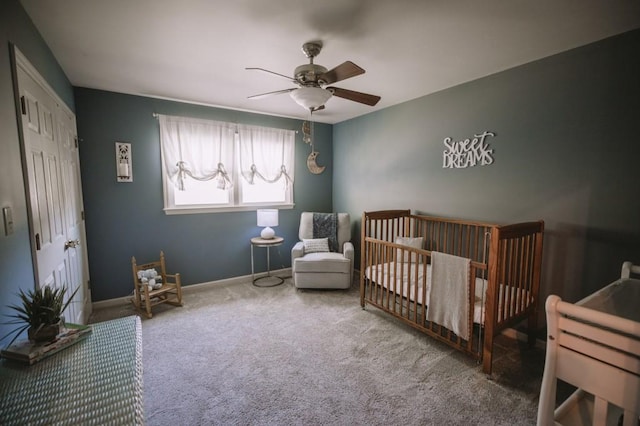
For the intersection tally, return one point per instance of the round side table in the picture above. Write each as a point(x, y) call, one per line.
point(268, 243)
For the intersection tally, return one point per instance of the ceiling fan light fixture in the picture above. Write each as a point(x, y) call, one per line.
point(311, 97)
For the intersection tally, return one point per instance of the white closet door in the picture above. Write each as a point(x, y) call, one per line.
point(53, 173)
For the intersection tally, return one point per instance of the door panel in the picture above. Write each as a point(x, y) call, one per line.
point(33, 117)
point(38, 199)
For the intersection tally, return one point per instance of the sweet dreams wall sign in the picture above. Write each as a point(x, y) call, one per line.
point(468, 152)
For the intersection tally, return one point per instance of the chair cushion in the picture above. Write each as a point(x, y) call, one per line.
point(323, 262)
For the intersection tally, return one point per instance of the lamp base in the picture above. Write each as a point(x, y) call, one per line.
point(267, 233)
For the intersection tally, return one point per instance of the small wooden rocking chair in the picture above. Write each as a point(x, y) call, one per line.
point(145, 297)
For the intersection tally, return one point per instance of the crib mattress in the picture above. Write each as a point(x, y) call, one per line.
point(407, 278)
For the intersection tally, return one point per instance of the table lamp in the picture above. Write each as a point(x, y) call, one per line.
point(267, 218)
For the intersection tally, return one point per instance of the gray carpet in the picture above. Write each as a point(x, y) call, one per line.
point(242, 355)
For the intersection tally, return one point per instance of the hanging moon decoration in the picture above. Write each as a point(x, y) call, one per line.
point(311, 163)
point(307, 131)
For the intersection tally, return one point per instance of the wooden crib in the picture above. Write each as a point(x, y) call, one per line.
point(504, 275)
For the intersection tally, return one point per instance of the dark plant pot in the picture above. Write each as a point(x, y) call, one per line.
point(46, 333)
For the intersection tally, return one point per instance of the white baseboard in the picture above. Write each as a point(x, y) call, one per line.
point(119, 301)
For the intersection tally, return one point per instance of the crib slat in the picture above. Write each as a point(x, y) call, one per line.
point(471, 303)
point(376, 254)
point(423, 319)
point(502, 280)
point(506, 298)
point(524, 278)
point(415, 292)
point(387, 284)
point(516, 282)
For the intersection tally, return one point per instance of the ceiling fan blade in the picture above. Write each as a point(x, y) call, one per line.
point(343, 71)
point(352, 95)
point(276, 92)
point(274, 73)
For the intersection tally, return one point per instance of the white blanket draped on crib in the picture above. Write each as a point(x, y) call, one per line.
point(448, 295)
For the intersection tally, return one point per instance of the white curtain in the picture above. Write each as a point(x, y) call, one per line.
point(197, 149)
point(266, 154)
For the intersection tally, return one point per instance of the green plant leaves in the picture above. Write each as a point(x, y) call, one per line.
point(37, 309)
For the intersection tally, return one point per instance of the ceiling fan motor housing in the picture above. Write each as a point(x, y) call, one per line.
point(307, 74)
point(312, 79)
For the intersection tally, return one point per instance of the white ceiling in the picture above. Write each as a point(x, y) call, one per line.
point(197, 50)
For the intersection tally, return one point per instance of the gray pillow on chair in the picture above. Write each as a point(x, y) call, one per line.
point(316, 245)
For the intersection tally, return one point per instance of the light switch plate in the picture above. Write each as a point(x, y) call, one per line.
point(8, 220)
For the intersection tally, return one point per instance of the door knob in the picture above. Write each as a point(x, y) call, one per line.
point(71, 244)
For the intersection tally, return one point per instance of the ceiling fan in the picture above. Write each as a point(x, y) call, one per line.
point(313, 82)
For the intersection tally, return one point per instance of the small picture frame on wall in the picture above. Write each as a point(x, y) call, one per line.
point(124, 169)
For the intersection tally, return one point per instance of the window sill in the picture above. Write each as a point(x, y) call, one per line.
point(200, 210)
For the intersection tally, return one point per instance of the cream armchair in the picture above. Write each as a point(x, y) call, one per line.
point(314, 265)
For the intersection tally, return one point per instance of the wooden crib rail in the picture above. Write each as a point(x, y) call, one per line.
point(386, 214)
point(520, 229)
point(394, 252)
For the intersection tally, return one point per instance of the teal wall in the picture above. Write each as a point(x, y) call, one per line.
point(16, 271)
point(126, 219)
point(566, 150)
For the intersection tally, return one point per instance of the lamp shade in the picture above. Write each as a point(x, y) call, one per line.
point(311, 97)
point(267, 218)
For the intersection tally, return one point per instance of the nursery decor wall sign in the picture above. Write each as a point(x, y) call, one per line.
point(469, 152)
point(123, 162)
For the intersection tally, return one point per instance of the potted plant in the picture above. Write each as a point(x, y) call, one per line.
point(40, 313)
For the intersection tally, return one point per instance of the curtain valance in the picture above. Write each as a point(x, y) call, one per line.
point(266, 153)
point(195, 148)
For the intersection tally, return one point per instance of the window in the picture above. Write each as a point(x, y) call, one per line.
point(217, 166)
